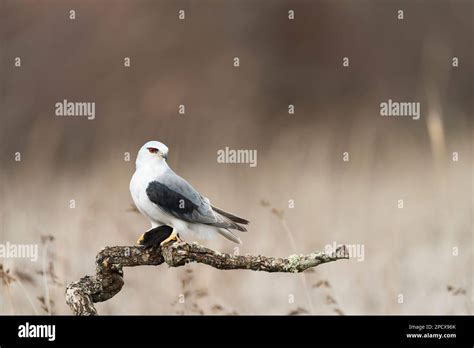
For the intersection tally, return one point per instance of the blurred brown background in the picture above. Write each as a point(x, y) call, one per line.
point(407, 251)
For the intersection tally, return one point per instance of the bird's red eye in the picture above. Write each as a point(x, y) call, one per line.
point(152, 149)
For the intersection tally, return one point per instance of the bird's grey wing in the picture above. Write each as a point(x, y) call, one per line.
point(176, 196)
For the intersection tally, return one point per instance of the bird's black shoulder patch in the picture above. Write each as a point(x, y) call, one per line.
point(170, 201)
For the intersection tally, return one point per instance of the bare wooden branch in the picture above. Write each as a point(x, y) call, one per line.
point(108, 280)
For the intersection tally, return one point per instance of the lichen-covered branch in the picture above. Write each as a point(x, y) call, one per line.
point(108, 280)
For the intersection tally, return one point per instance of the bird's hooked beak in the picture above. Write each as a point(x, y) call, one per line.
point(165, 156)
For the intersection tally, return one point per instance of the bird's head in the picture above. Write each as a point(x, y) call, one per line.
point(153, 152)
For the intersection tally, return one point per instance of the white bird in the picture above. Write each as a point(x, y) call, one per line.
point(167, 199)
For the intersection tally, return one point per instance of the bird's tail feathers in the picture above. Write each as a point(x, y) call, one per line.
point(224, 222)
point(229, 235)
point(231, 216)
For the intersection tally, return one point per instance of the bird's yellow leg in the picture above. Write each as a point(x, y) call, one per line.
point(172, 237)
point(139, 240)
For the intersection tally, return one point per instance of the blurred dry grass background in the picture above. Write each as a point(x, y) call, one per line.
point(407, 251)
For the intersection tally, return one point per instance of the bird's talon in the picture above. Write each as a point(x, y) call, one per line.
point(140, 240)
point(173, 237)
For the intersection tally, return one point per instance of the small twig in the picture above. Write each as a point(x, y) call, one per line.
point(7, 279)
point(108, 280)
point(27, 295)
point(45, 279)
point(10, 299)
